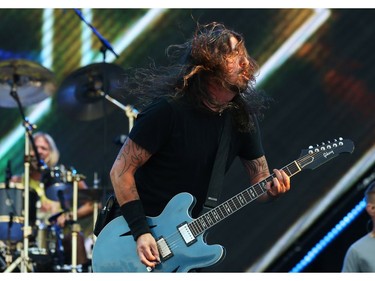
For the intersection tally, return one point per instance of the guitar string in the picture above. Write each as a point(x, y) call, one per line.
point(173, 240)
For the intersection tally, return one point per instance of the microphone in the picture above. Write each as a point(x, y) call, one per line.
point(120, 139)
point(8, 174)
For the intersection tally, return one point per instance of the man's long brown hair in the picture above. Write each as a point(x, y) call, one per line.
point(192, 63)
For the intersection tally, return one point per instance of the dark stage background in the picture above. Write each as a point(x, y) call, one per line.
point(322, 91)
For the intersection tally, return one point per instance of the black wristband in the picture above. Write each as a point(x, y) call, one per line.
point(135, 216)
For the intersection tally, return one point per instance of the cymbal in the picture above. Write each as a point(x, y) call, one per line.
point(33, 82)
point(90, 194)
point(81, 94)
point(52, 193)
point(59, 191)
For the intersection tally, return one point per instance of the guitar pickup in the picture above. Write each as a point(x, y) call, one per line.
point(164, 249)
point(186, 234)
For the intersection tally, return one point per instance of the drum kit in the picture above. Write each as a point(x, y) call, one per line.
point(24, 245)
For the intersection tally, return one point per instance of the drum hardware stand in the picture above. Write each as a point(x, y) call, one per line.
point(130, 111)
point(3, 264)
point(96, 206)
point(27, 231)
point(72, 176)
point(8, 254)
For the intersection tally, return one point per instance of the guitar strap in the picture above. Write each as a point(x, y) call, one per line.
point(218, 171)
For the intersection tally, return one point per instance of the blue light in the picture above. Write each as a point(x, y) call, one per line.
point(332, 234)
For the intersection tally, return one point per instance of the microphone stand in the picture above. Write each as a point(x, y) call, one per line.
point(105, 44)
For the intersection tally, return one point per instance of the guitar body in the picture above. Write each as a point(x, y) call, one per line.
point(115, 248)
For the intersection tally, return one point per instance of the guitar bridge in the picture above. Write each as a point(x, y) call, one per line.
point(164, 249)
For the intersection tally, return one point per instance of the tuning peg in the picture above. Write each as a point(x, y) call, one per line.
point(329, 145)
point(311, 149)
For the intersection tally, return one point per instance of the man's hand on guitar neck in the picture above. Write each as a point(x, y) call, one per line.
point(148, 251)
point(280, 184)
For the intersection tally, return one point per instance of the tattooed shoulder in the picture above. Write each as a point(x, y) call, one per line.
point(256, 166)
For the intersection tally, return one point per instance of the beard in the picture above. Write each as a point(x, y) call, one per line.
point(240, 86)
point(241, 81)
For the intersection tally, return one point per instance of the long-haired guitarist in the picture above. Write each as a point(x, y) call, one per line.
point(173, 144)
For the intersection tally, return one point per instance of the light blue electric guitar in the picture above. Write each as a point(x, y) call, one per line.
point(180, 238)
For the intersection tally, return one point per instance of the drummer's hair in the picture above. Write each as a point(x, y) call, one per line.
point(54, 152)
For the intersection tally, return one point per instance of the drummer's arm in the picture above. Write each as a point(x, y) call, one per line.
point(85, 210)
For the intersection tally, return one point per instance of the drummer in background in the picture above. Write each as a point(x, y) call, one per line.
point(49, 153)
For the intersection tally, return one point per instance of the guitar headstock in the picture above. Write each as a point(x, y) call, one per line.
point(313, 157)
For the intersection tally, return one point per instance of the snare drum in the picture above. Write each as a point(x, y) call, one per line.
point(11, 215)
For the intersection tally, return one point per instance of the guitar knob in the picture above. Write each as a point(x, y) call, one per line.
point(329, 147)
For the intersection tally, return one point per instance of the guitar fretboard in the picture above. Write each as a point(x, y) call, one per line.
point(230, 206)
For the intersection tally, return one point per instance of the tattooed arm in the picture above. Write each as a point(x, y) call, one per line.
point(257, 170)
point(129, 159)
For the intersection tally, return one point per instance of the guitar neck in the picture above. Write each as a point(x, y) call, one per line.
point(235, 203)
